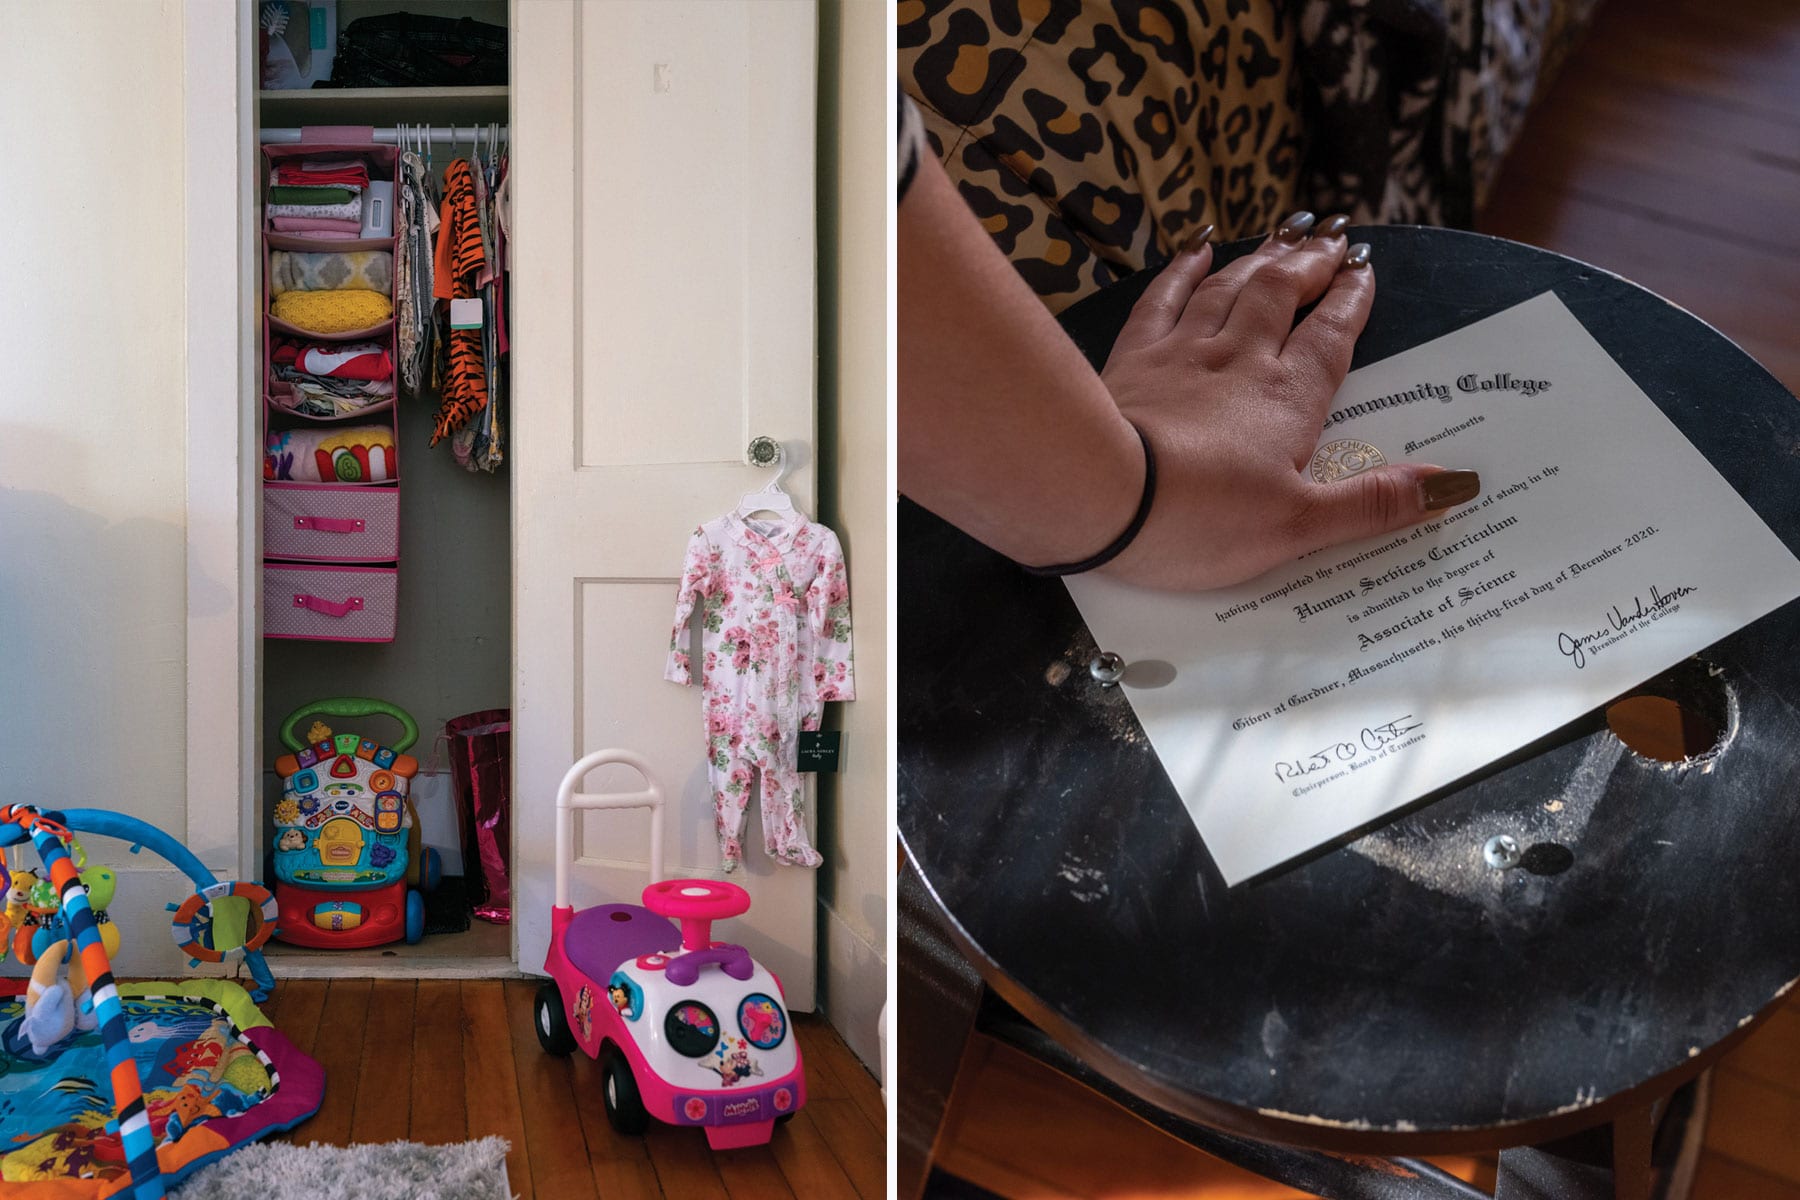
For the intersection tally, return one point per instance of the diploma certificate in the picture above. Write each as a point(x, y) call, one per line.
point(1602, 550)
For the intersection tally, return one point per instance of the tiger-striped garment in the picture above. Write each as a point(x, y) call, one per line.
point(465, 387)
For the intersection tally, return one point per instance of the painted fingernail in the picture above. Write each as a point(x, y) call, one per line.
point(1446, 489)
point(1198, 239)
point(1358, 256)
point(1332, 226)
point(1295, 227)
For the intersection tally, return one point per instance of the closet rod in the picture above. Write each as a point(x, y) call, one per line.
point(385, 134)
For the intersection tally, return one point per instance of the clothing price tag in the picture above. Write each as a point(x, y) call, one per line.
point(819, 751)
point(466, 314)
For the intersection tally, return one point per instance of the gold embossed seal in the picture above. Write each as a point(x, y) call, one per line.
point(1341, 460)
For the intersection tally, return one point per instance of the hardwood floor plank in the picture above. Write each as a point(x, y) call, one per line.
point(559, 1154)
point(1721, 192)
point(860, 1148)
point(439, 1112)
point(822, 1045)
point(1745, 295)
point(442, 1061)
point(752, 1174)
point(1770, 1054)
point(1755, 1124)
point(383, 1104)
point(808, 1164)
point(684, 1165)
point(1722, 1178)
point(620, 1164)
point(1599, 96)
point(338, 1045)
point(1711, 61)
point(299, 1003)
point(490, 1083)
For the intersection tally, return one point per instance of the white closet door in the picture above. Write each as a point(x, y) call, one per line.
point(663, 316)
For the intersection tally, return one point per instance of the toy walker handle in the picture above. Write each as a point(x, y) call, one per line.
point(683, 970)
point(349, 706)
point(696, 903)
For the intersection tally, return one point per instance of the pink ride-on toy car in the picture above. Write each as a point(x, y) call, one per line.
point(687, 1030)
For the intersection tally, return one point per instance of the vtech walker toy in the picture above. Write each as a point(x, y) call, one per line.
point(687, 1030)
point(347, 849)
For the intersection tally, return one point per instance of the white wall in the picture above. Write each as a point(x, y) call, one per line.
point(92, 439)
point(858, 845)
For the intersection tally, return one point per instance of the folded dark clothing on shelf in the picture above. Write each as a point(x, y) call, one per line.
point(321, 396)
point(288, 194)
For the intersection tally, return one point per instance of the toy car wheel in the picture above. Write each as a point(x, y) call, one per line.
point(619, 1092)
point(415, 917)
point(785, 1117)
point(431, 869)
point(552, 1023)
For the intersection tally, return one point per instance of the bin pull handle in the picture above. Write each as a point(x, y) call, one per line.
point(330, 524)
point(326, 607)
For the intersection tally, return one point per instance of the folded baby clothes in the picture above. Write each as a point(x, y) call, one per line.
point(334, 454)
point(318, 396)
point(335, 360)
point(350, 210)
point(339, 311)
point(323, 226)
point(288, 194)
point(346, 172)
point(326, 270)
point(325, 385)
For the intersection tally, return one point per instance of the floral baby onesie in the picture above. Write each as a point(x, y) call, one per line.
point(775, 636)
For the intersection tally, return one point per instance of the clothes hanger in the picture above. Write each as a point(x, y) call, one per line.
point(770, 498)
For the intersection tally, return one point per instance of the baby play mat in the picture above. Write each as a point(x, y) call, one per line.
point(215, 1075)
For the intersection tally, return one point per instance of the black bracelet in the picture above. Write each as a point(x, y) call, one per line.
point(1124, 539)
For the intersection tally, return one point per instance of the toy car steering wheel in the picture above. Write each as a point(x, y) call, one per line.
point(696, 903)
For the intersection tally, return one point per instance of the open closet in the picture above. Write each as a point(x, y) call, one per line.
point(386, 560)
point(660, 318)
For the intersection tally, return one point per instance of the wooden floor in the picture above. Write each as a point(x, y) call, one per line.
point(443, 1060)
point(1669, 152)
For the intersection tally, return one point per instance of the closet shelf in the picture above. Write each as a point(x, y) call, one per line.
point(361, 414)
point(383, 106)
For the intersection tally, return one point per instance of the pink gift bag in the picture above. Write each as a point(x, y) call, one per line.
point(480, 745)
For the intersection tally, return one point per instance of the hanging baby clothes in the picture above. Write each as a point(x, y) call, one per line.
point(479, 445)
point(459, 261)
point(775, 635)
point(413, 263)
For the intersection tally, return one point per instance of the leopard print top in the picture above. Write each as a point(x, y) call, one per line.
point(1091, 140)
point(1090, 137)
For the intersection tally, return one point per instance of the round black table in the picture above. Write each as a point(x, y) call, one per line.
point(1371, 999)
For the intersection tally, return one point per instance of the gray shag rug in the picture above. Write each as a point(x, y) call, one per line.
point(376, 1171)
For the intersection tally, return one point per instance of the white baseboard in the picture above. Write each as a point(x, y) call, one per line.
point(855, 988)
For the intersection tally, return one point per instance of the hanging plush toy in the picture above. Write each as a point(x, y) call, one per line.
point(54, 1009)
point(40, 921)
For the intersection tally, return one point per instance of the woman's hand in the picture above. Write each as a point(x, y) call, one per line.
point(1232, 395)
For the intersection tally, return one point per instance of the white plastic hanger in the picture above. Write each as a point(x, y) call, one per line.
point(770, 498)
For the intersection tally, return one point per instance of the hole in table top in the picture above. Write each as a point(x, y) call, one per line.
point(1547, 858)
point(1679, 717)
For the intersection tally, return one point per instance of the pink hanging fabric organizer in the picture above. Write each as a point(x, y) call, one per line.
point(331, 472)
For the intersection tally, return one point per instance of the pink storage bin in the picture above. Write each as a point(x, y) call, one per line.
point(322, 522)
point(330, 604)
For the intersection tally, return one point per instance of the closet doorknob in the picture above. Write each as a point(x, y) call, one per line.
point(763, 452)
